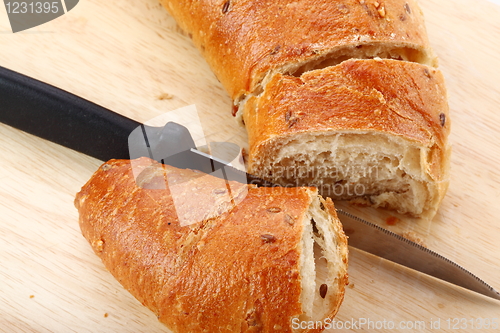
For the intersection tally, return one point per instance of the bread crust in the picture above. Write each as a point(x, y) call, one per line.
point(225, 274)
point(243, 40)
point(403, 99)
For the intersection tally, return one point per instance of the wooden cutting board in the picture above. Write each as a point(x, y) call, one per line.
point(129, 57)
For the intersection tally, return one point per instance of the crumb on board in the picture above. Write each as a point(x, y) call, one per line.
point(106, 315)
point(351, 285)
point(392, 220)
point(414, 238)
point(165, 96)
point(360, 202)
point(32, 296)
point(349, 231)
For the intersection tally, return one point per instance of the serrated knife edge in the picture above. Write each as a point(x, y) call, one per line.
point(384, 243)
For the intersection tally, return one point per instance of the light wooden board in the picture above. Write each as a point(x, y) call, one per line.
point(124, 55)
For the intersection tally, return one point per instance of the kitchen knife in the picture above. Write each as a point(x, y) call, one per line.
point(63, 118)
point(381, 242)
point(58, 116)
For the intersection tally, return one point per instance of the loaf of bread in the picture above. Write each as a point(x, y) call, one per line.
point(341, 95)
point(368, 129)
point(247, 41)
point(277, 256)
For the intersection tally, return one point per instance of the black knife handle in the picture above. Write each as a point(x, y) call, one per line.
point(61, 117)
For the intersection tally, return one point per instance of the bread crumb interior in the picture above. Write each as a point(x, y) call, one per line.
point(385, 171)
point(319, 250)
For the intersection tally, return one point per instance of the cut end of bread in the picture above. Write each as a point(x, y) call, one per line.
point(371, 130)
point(385, 170)
point(277, 256)
point(323, 244)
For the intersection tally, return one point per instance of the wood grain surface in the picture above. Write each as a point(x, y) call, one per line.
point(130, 57)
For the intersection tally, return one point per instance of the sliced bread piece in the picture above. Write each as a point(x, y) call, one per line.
point(250, 268)
point(374, 130)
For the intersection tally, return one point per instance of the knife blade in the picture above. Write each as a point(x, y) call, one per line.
point(386, 244)
point(66, 119)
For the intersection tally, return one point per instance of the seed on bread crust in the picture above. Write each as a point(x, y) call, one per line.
point(219, 191)
point(442, 118)
point(290, 220)
point(268, 238)
point(275, 50)
point(408, 8)
point(225, 7)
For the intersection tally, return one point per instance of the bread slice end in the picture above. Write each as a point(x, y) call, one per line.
point(324, 263)
point(374, 169)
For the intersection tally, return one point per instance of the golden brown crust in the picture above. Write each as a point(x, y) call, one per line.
point(242, 40)
point(390, 96)
point(227, 274)
point(369, 96)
